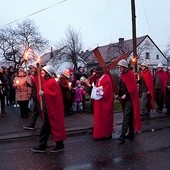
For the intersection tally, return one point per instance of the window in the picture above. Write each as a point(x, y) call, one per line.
point(147, 55)
point(157, 57)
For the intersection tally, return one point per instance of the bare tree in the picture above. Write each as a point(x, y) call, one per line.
point(9, 45)
point(29, 37)
point(13, 42)
point(116, 49)
point(167, 50)
point(73, 46)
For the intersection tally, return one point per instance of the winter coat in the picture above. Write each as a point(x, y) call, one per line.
point(23, 88)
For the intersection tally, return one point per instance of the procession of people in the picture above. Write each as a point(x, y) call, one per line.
point(54, 97)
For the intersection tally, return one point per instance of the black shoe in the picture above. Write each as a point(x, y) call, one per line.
point(121, 139)
point(130, 136)
point(57, 149)
point(143, 115)
point(26, 116)
point(107, 137)
point(38, 149)
point(3, 114)
point(30, 127)
point(160, 111)
point(167, 113)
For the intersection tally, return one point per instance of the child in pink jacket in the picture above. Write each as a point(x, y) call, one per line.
point(79, 92)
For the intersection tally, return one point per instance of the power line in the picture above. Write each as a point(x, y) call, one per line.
point(147, 18)
point(35, 12)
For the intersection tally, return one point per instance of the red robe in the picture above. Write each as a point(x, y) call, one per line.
point(130, 81)
point(163, 79)
point(35, 80)
point(103, 110)
point(55, 109)
point(147, 76)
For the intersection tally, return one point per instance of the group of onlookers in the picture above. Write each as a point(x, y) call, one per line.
point(17, 88)
point(7, 91)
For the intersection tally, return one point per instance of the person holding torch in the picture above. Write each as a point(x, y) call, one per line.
point(66, 88)
point(53, 113)
point(35, 89)
point(23, 84)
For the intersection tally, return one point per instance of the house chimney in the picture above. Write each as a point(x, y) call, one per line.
point(121, 40)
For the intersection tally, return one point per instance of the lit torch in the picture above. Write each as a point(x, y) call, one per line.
point(26, 59)
point(69, 84)
point(57, 78)
point(39, 80)
point(17, 84)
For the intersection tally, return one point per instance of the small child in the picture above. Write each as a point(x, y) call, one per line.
point(79, 92)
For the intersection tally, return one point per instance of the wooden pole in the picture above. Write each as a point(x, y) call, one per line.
point(39, 82)
point(134, 34)
point(25, 55)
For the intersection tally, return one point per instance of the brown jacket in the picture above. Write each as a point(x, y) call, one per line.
point(23, 88)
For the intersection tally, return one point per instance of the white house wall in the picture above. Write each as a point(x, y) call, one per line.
point(153, 52)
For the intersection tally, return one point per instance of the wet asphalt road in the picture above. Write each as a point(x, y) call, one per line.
point(150, 150)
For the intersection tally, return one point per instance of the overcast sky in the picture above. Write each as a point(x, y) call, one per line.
point(100, 22)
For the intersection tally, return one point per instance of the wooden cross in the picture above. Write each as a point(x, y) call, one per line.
point(110, 66)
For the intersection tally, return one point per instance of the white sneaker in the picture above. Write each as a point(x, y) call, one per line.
point(15, 105)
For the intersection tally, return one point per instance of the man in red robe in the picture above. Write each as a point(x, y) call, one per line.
point(128, 95)
point(146, 90)
point(53, 113)
point(168, 92)
point(103, 106)
point(160, 82)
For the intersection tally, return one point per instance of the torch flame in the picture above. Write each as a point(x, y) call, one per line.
point(17, 81)
point(38, 59)
point(26, 55)
point(69, 84)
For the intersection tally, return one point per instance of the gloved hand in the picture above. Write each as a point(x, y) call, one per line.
point(124, 96)
point(41, 92)
point(116, 96)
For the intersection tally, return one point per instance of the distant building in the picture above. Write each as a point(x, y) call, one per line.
point(146, 49)
point(59, 60)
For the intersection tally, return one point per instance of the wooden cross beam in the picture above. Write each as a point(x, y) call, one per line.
point(110, 66)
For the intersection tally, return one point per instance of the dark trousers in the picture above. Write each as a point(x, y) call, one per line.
point(35, 112)
point(84, 104)
point(127, 118)
point(159, 98)
point(23, 108)
point(12, 96)
point(45, 133)
point(145, 103)
point(67, 106)
point(168, 101)
point(2, 98)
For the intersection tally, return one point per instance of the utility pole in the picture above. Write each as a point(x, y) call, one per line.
point(51, 53)
point(134, 59)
